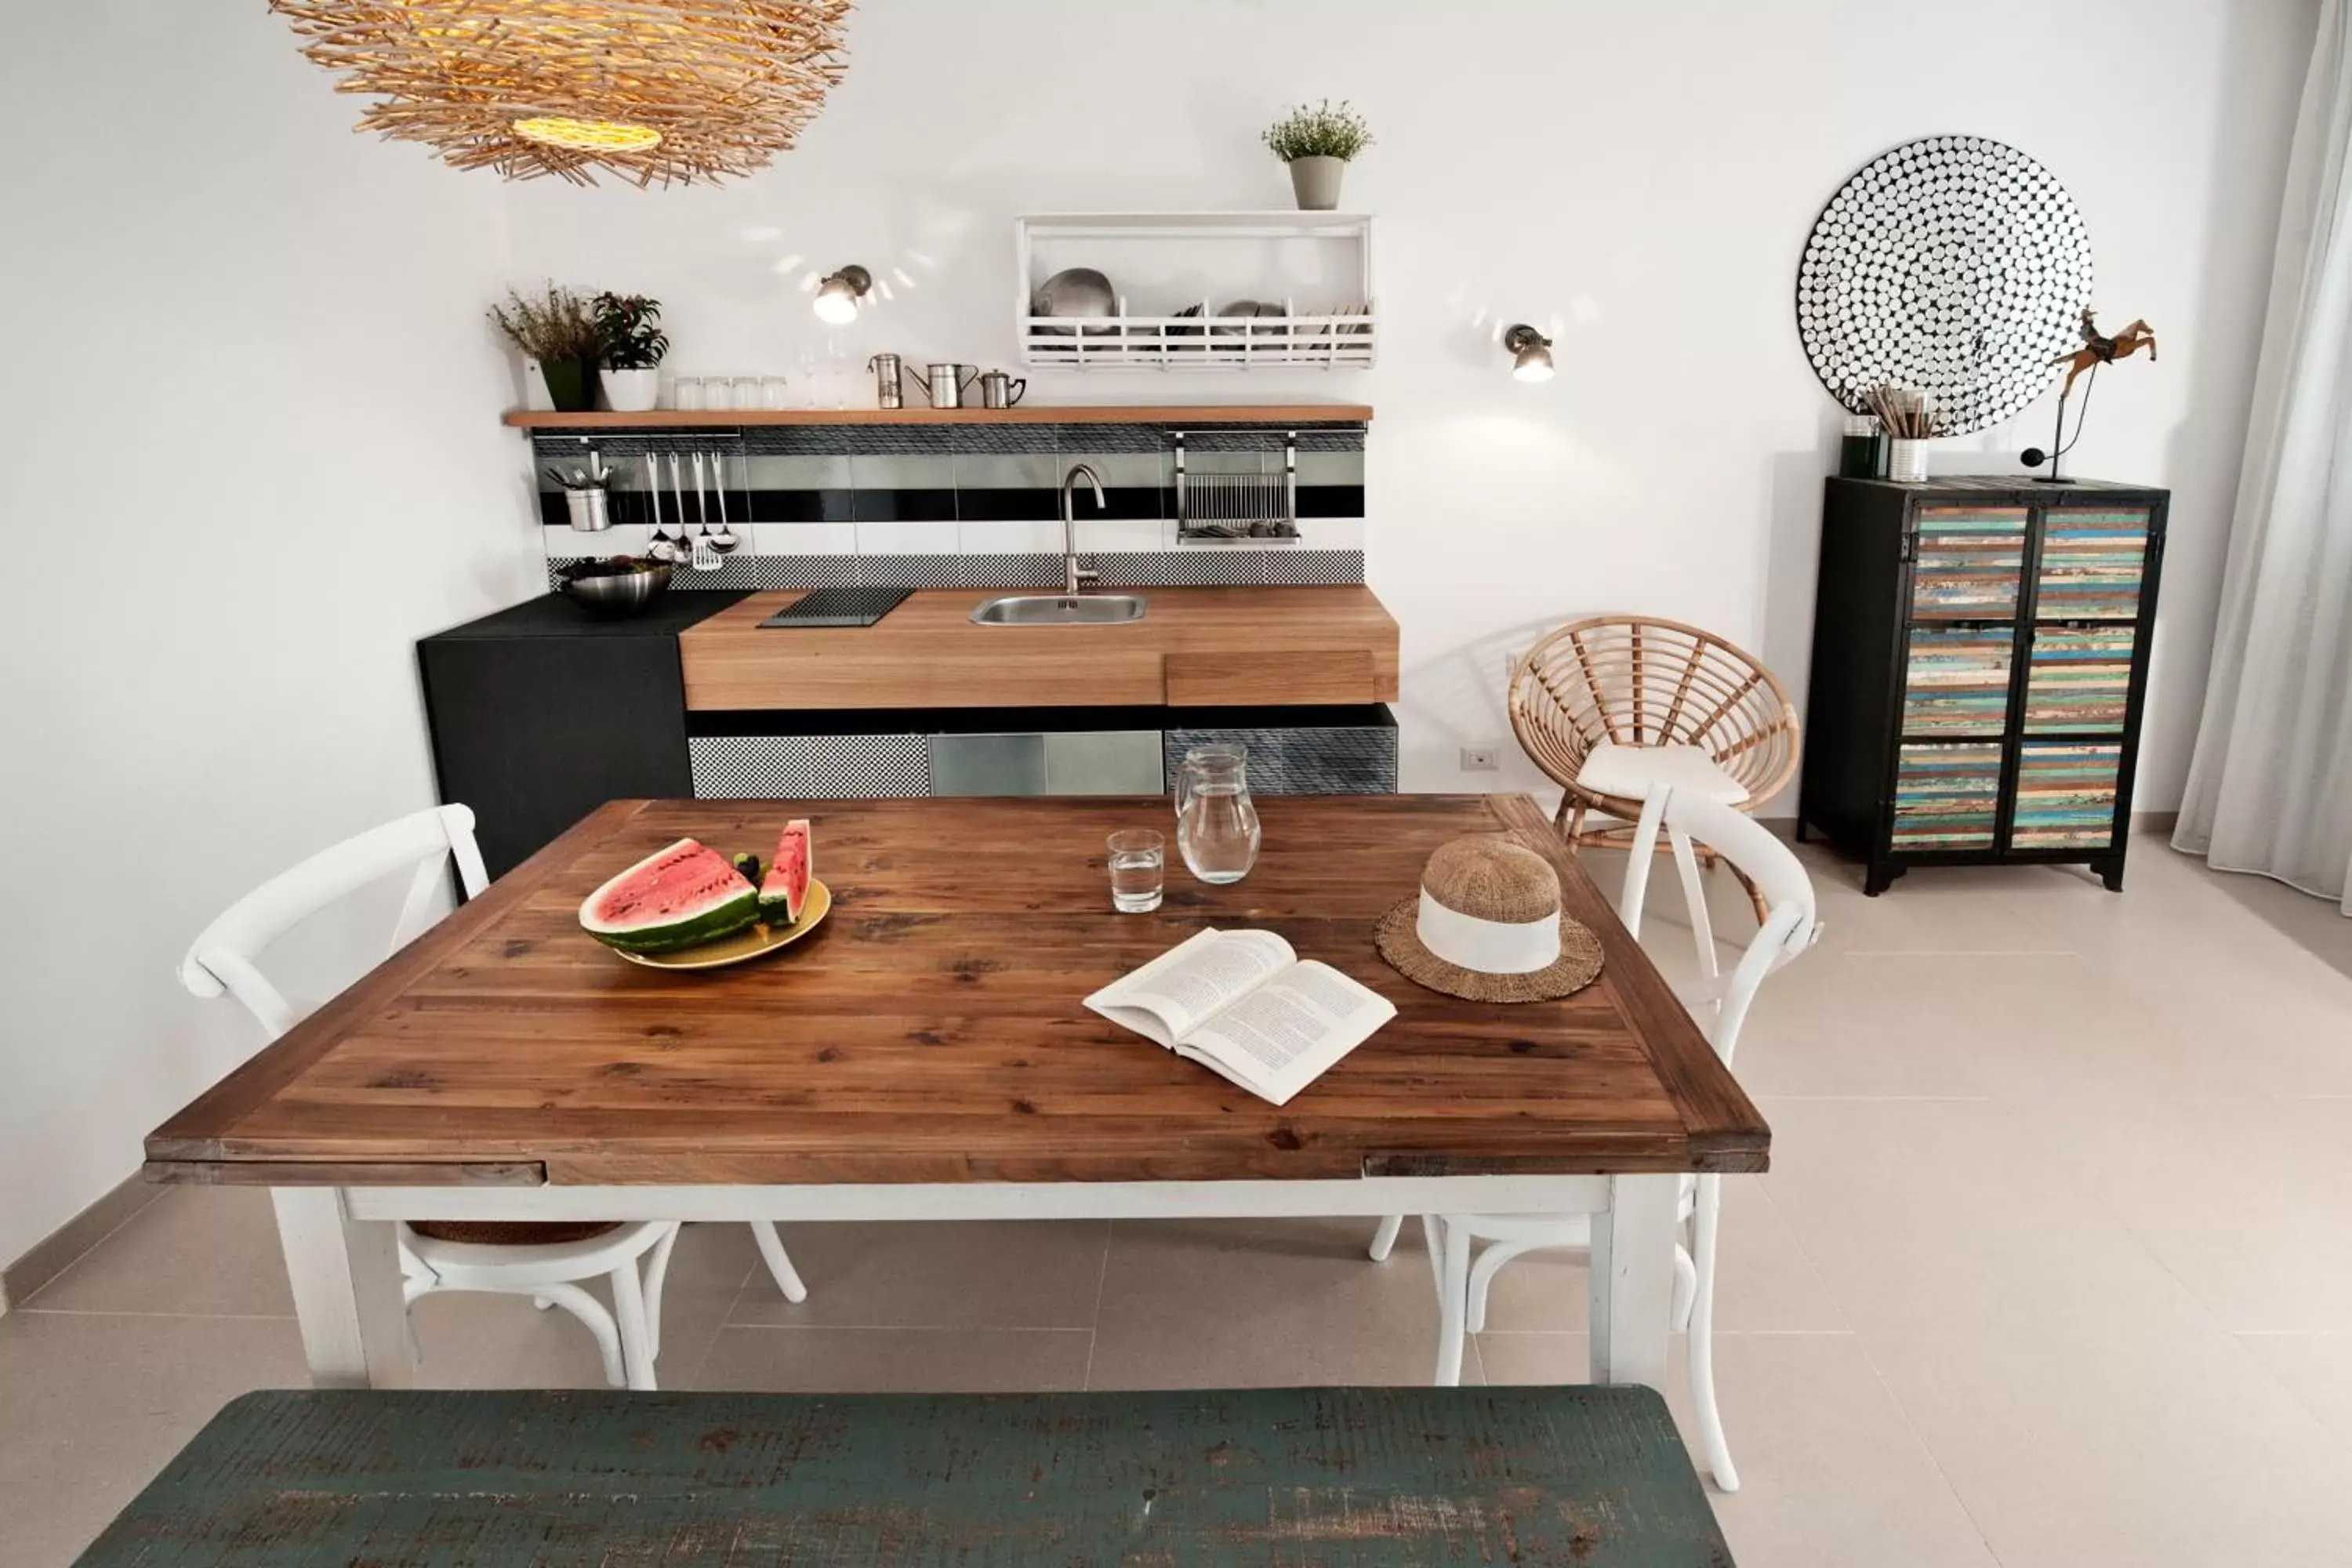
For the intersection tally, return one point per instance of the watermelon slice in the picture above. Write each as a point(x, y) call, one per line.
point(684, 895)
point(784, 894)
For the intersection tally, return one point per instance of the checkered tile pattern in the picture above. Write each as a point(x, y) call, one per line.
point(798, 767)
point(1206, 567)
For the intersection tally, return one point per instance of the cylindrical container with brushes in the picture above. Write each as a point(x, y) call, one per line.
point(1909, 421)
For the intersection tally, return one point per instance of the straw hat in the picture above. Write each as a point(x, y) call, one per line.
point(1488, 926)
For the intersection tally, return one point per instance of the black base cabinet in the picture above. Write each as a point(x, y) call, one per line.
point(1981, 653)
point(540, 715)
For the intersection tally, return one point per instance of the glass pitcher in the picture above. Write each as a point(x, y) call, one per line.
point(1216, 825)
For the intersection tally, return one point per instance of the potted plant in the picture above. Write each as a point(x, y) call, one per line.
point(556, 330)
point(628, 331)
point(1317, 142)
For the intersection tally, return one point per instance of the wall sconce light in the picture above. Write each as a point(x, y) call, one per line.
point(838, 296)
point(1530, 354)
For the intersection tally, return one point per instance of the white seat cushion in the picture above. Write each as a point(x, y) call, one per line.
point(1629, 772)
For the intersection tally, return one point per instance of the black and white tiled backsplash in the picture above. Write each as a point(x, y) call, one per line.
point(957, 506)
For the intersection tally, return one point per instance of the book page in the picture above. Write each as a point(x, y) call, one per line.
point(1283, 1036)
point(1186, 986)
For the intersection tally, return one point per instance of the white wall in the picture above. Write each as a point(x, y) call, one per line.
point(251, 454)
point(1643, 175)
point(250, 451)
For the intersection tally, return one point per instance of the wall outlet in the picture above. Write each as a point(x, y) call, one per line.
point(1479, 760)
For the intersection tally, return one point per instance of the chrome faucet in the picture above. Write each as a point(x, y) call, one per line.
point(1074, 575)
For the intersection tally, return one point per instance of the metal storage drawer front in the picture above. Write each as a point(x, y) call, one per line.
point(2090, 564)
point(2065, 797)
point(1947, 797)
point(988, 764)
point(1968, 563)
point(1956, 681)
point(1090, 761)
point(1104, 761)
point(2078, 680)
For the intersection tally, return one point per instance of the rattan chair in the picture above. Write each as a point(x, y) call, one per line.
point(1609, 706)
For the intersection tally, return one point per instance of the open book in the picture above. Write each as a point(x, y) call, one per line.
point(1240, 1002)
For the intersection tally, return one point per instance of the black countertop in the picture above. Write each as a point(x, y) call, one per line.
point(553, 615)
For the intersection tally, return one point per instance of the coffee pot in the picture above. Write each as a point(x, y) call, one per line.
point(999, 390)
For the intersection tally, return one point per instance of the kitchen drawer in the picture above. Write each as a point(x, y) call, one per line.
point(2065, 797)
point(2092, 562)
point(1968, 563)
point(1270, 676)
point(2078, 679)
point(1947, 797)
point(1955, 680)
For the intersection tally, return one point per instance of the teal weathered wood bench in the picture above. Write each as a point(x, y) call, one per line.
point(1591, 1477)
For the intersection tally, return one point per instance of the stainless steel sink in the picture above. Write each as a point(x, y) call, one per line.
point(1059, 610)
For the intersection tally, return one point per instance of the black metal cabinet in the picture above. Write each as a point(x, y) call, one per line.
point(539, 714)
point(1980, 652)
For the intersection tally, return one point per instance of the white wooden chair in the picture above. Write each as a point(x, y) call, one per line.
point(543, 1262)
point(1691, 821)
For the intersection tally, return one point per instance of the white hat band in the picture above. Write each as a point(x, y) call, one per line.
point(1490, 947)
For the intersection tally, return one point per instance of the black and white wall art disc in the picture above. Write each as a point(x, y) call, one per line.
point(1955, 264)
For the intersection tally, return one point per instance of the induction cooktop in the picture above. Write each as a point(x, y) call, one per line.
point(839, 608)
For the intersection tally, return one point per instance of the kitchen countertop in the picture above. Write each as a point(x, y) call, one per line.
point(553, 615)
point(1194, 647)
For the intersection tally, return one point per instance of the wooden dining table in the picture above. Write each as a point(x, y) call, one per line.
point(922, 1055)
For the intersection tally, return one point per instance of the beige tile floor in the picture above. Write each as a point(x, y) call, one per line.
point(2054, 1264)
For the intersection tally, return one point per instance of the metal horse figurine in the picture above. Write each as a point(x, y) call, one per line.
point(2097, 351)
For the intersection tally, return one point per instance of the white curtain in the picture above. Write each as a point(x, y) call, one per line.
point(2270, 788)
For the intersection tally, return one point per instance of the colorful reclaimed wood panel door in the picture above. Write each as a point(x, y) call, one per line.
point(1948, 797)
point(2093, 563)
point(1968, 563)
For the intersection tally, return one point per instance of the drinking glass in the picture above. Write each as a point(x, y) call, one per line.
point(773, 392)
point(1216, 823)
point(686, 392)
point(744, 391)
point(1138, 862)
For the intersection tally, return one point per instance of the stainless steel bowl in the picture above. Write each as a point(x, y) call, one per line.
point(1076, 292)
point(620, 595)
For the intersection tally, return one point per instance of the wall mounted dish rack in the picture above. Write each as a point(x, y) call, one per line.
point(1232, 291)
point(1242, 497)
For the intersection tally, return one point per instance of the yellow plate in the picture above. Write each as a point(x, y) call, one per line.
point(744, 945)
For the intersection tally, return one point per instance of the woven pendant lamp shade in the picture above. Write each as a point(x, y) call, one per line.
point(653, 90)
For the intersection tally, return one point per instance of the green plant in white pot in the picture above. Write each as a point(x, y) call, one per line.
point(632, 345)
point(1319, 141)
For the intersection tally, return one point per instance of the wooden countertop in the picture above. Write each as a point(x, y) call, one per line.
point(1027, 413)
point(930, 1029)
point(1194, 647)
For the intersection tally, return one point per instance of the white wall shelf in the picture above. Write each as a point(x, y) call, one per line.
point(1316, 266)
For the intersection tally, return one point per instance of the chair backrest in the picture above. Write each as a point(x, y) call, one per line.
point(1791, 920)
point(1641, 681)
point(221, 958)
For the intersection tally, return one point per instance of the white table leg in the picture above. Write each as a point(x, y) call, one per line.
point(1632, 1278)
point(346, 1277)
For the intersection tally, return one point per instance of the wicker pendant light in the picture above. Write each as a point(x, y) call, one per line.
point(651, 89)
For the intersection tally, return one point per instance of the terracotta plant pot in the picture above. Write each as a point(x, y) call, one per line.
point(571, 385)
point(1316, 183)
point(630, 391)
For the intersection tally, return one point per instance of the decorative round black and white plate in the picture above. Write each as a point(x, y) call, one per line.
point(1955, 264)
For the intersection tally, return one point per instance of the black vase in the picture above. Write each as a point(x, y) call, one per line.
point(571, 384)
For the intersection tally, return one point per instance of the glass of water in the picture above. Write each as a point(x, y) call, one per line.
point(1139, 863)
